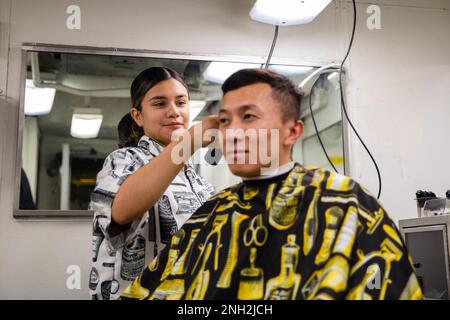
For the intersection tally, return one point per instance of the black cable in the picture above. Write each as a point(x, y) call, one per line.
point(274, 41)
point(315, 124)
point(343, 100)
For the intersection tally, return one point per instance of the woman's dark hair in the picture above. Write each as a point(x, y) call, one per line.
point(284, 91)
point(129, 132)
point(149, 78)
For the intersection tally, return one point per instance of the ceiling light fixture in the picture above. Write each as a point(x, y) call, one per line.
point(287, 12)
point(218, 72)
point(291, 70)
point(38, 101)
point(86, 123)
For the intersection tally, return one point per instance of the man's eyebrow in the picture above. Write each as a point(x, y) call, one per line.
point(245, 107)
point(242, 108)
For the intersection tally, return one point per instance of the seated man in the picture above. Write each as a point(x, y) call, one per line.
point(294, 233)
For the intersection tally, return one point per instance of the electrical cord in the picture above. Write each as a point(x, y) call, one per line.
point(315, 125)
point(274, 41)
point(344, 108)
point(343, 101)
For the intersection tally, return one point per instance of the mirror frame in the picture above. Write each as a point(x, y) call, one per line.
point(43, 214)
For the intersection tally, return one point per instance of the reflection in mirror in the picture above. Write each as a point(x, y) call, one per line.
point(74, 102)
point(324, 99)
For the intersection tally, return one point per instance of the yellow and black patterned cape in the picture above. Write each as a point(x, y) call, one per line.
point(308, 234)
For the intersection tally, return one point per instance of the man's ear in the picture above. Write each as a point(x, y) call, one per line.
point(294, 132)
point(137, 116)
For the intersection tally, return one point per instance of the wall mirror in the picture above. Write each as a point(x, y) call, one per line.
point(58, 160)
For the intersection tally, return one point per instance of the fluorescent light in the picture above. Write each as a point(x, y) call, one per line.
point(195, 107)
point(38, 101)
point(291, 70)
point(334, 79)
point(218, 72)
point(287, 12)
point(86, 123)
point(333, 76)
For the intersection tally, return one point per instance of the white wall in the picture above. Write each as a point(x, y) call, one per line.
point(397, 94)
point(399, 97)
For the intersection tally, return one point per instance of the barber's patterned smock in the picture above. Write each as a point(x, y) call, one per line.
point(120, 254)
point(307, 234)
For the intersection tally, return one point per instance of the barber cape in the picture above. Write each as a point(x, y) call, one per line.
point(118, 257)
point(306, 234)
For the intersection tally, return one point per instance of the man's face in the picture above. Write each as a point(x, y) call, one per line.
point(254, 135)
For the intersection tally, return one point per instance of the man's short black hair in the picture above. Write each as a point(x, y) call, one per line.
point(283, 90)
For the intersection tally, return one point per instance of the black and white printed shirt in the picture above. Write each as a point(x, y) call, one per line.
point(118, 258)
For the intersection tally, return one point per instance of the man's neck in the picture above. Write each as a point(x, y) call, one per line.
point(273, 172)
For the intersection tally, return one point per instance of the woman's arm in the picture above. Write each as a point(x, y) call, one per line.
point(141, 190)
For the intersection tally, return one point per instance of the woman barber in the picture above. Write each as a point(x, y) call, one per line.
point(142, 197)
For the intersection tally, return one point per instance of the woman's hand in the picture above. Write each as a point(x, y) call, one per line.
point(207, 128)
point(139, 192)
